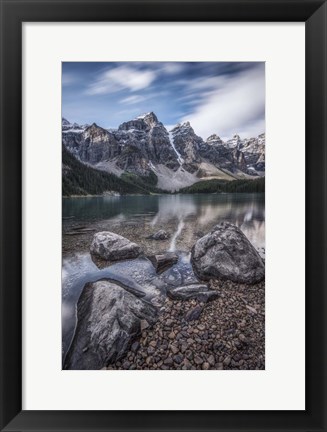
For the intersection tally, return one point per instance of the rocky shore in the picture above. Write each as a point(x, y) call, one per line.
point(215, 323)
point(228, 334)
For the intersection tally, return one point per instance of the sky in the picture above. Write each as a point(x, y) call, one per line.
point(224, 98)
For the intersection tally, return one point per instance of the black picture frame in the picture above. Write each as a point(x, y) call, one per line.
point(13, 14)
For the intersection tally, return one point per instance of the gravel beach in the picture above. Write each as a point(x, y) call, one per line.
point(228, 335)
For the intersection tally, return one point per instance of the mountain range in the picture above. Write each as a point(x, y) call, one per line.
point(143, 148)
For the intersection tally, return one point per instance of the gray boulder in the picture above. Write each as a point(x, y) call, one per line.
point(226, 254)
point(113, 247)
point(193, 291)
point(108, 321)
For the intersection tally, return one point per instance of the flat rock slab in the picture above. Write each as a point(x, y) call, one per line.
point(193, 291)
point(113, 247)
point(160, 235)
point(109, 319)
point(162, 262)
point(226, 254)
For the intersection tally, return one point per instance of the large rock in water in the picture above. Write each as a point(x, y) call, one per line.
point(113, 247)
point(225, 253)
point(108, 320)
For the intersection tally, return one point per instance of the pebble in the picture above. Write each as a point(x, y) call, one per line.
point(198, 360)
point(227, 361)
point(144, 325)
point(211, 360)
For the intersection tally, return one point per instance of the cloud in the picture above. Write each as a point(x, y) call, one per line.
point(120, 78)
point(129, 100)
point(230, 104)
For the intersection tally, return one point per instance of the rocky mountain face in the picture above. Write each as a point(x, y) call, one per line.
point(143, 146)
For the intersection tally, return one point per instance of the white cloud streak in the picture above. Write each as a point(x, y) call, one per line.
point(122, 77)
point(129, 100)
point(230, 104)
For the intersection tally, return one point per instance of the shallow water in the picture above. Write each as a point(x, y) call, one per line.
point(187, 217)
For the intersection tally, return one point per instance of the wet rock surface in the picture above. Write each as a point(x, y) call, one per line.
point(193, 291)
point(160, 235)
point(228, 334)
point(226, 254)
point(113, 247)
point(109, 319)
point(162, 262)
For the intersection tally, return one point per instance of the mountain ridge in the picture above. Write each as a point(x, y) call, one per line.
point(178, 158)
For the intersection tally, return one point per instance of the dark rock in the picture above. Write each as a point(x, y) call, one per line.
point(135, 346)
point(113, 247)
point(162, 262)
point(194, 314)
point(193, 291)
point(178, 359)
point(225, 253)
point(108, 320)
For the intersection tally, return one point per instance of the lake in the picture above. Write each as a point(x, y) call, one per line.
point(186, 218)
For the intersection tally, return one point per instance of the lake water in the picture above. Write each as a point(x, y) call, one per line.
point(185, 217)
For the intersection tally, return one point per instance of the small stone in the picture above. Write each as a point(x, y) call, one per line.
point(251, 309)
point(205, 366)
point(211, 360)
point(168, 361)
point(171, 335)
point(220, 366)
point(198, 360)
point(194, 314)
point(187, 364)
point(135, 346)
point(178, 359)
point(201, 327)
point(153, 344)
point(227, 361)
point(151, 350)
point(243, 338)
point(174, 349)
point(144, 325)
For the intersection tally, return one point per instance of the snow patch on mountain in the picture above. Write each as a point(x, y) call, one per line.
point(171, 139)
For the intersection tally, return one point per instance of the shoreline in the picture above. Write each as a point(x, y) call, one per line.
point(228, 335)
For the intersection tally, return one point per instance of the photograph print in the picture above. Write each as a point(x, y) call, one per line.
point(163, 216)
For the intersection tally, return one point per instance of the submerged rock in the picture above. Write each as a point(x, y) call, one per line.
point(109, 319)
point(193, 291)
point(162, 262)
point(160, 235)
point(113, 247)
point(225, 253)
